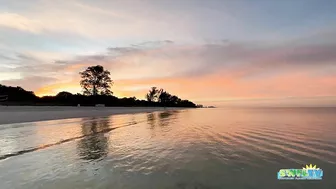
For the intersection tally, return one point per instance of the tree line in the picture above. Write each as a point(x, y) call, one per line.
point(163, 97)
point(96, 84)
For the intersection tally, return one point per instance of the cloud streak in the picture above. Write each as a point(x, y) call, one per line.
point(232, 69)
point(92, 21)
point(147, 43)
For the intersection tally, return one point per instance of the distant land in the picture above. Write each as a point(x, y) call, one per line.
point(201, 106)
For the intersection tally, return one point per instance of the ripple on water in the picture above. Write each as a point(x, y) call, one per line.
point(181, 149)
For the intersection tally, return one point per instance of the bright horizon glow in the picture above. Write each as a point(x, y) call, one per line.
point(247, 57)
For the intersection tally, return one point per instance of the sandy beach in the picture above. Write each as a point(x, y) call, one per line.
point(20, 114)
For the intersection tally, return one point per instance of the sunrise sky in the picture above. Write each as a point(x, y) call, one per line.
point(212, 52)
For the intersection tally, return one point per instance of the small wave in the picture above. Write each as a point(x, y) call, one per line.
point(33, 149)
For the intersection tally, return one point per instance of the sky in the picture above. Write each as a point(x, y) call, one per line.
point(215, 52)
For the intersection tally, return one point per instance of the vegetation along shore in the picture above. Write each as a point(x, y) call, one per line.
point(96, 84)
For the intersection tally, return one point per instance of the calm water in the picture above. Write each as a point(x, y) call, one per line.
point(188, 149)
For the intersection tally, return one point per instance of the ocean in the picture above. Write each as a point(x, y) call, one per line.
point(218, 148)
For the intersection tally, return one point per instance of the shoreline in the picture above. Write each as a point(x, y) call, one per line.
point(21, 114)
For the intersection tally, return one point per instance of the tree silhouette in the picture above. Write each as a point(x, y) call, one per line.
point(158, 97)
point(96, 81)
point(152, 95)
point(164, 98)
point(17, 94)
point(64, 94)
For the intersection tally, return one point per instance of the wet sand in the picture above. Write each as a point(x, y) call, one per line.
point(20, 114)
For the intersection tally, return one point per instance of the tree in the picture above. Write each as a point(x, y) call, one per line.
point(17, 94)
point(96, 81)
point(164, 97)
point(152, 95)
point(64, 94)
point(174, 100)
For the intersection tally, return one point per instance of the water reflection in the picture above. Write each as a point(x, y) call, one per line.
point(245, 148)
point(95, 144)
point(165, 118)
point(151, 117)
point(161, 119)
